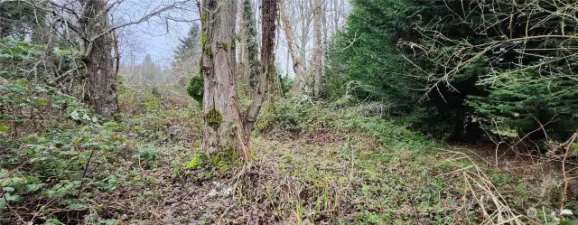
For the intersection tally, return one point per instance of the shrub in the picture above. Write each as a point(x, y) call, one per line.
point(196, 88)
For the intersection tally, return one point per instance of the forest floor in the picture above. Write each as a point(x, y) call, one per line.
point(316, 163)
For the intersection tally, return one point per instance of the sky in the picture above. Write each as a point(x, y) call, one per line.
point(159, 37)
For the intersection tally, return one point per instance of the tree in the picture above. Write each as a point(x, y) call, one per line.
point(187, 57)
point(149, 71)
point(189, 45)
point(507, 67)
point(19, 19)
point(223, 122)
point(318, 48)
point(89, 22)
point(250, 35)
point(289, 35)
point(97, 40)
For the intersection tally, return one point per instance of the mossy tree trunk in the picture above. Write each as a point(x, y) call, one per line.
point(252, 45)
point(264, 85)
point(224, 126)
point(222, 120)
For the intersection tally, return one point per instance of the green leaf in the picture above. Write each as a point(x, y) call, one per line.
point(33, 187)
point(13, 198)
point(43, 101)
point(4, 128)
point(49, 193)
point(3, 203)
point(8, 189)
point(52, 222)
point(75, 115)
point(196, 162)
point(23, 83)
point(109, 222)
point(78, 206)
point(61, 192)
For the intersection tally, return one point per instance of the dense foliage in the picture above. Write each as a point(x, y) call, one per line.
point(460, 68)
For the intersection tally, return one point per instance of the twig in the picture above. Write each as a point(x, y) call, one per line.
point(568, 147)
point(85, 171)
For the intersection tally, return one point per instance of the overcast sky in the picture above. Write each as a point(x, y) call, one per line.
point(159, 37)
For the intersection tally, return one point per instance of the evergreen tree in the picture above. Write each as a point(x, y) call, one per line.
point(187, 57)
point(149, 71)
point(460, 66)
point(189, 46)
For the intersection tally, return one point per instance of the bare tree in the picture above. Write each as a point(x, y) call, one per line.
point(289, 35)
point(90, 23)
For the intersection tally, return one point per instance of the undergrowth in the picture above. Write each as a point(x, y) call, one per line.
point(317, 163)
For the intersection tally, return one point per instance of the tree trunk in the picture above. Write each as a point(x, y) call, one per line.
point(318, 53)
point(297, 64)
point(252, 47)
point(267, 68)
point(222, 120)
point(99, 61)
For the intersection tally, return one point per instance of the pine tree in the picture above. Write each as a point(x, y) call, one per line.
point(189, 45)
point(187, 57)
point(149, 70)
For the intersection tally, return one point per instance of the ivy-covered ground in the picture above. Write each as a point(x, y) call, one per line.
point(316, 163)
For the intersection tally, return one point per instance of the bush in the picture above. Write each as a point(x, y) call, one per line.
point(196, 88)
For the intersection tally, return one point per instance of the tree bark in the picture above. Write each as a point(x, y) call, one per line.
point(99, 60)
point(252, 45)
point(318, 53)
point(305, 18)
point(222, 120)
point(267, 71)
point(297, 64)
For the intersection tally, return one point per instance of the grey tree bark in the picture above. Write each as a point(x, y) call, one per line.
point(289, 35)
point(99, 60)
point(223, 123)
point(318, 52)
point(267, 71)
point(222, 120)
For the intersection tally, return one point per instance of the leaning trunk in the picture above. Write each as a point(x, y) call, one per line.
point(297, 64)
point(99, 61)
point(222, 120)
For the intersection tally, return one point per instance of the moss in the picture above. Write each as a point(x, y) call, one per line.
point(204, 16)
point(224, 159)
point(224, 45)
point(233, 44)
point(214, 118)
point(208, 51)
point(204, 39)
point(197, 162)
point(196, 88)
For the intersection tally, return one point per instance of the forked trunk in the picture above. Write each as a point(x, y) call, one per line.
point(264, 88)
